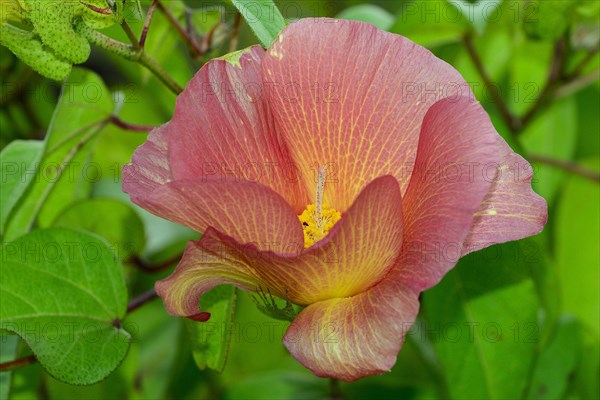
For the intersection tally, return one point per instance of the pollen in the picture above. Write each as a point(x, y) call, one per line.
point(318, 219)
point(312, 232)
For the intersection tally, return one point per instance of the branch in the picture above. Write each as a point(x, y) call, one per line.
point(568, 166)
point(555, 75)
point(18, 89)
point(151, 64)
point(579, 68)
point(132, 37)
point(577, 84)
point(131, 53)
point(335, 391)
point(147, 267)
point(142, 299)
point(149, 15)
point(512, 121)
point(130, 127)
point(189, 40)
point(233, 42)
point(207, 41)
point(19, 362)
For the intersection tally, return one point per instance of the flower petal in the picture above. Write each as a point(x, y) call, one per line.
point(351, 97)
point(199, 271)
point(149, 167)
point(247, 211)
point(448, 184)
point(222, 127)
point(511, 210)
point(359, 251)
point(350, 338)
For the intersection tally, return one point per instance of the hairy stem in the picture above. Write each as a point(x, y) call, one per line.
point(131, 53)
point(132, 37)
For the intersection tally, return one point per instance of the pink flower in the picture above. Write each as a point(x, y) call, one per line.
point(336, 118)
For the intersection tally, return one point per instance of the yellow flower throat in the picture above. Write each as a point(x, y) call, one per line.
point(318, 219)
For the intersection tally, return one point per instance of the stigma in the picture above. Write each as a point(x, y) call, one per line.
point(318, 219)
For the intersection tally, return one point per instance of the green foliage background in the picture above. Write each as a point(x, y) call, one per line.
point(519, 320)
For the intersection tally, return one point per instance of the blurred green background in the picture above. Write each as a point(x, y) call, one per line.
point(519, 320)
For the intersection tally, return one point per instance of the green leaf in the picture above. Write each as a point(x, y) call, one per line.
point(210, 340)
point(576, 237)
point(25, 381)
point(549, 18)
point(53, 23)
point(203, 21)
point(427, 28)
point(11, 11)
point(482, 320)
point(528, 73)
point(588, 140)
point(554, 134)
point(145, 372)
point(30, 49)
point(64, 173)
point(208, 18)
point(162, 39)
point(112, 219)
point(413, 377)
point(254, 334)
point(370, 13)
point(494, 49)
point(64, 294)
point(263, 17)
point(17, 160)
point(155, 361)
point(164, 239)
point(556, 363)
point(133, 8)
point(278, 385)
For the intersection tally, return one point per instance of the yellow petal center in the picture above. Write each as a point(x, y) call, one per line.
point(318, 219)
point(314, 231)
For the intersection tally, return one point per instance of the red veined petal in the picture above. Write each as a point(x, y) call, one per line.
point(247, 211)
point(149, 167)
point(199, 271)
point(361, 248)
point(511, 210)
point(223, 128)
point(447, 187)
point(351, 97)
point(350, 338)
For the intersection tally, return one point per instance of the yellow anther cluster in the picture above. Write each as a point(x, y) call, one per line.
point(312, 234)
